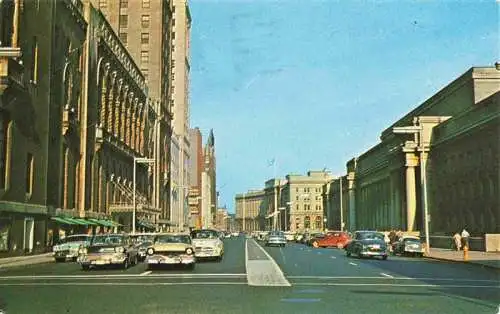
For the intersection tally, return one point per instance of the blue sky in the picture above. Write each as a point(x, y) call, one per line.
point(313, 83)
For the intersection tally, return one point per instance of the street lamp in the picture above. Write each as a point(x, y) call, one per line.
point(137, 160)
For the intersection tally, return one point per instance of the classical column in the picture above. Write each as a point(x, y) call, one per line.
point(104, 92)
point(411, 193)
point(352, 200)
point(15, 24)
point(117, 109)
point(110, 103)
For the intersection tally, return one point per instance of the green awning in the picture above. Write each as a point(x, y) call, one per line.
point(76, 221)
point(63, 221)
point(105, 223)
point(85, 221)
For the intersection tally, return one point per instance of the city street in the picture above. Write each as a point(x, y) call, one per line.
point(252, 279)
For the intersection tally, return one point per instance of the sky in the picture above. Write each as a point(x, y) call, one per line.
point(312, 84)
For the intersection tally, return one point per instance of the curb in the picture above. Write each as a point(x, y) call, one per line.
point(25, 260)
point(463, 262)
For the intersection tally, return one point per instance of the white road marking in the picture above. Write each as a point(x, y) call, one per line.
point(146, 273)
point(194, 283)
point(386, 275)
point(390, 285)
point(120, 276)
point(334, 257)
point(353, 264)
point(395, 278)
point(263, 272)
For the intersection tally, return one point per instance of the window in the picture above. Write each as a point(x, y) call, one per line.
point(317, 222)
point(297, 198)
point(123, 3)
point(144, 57)
point(145, 38)
point(103, 4)
point(145, 4)
point(307, 222)
point(4, 148)
point(29, 174)
point(123, 21)
point(297, 206)
point(145, 20)
point(34, 56)
point(123, 38)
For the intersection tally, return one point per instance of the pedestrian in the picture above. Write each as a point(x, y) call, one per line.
point(465, 238)
point(458, 241)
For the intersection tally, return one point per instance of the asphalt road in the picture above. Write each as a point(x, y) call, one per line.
point(252, 279)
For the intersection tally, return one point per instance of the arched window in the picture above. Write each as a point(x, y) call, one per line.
point(5, 137)
point(317, 222)
point(307, 222)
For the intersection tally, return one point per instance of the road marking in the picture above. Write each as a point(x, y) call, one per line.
point(263, 272)
point(386, 275)
point(146, 273)
point(353, 264)
point(194, 283)
point(298, 300)
point(334, 257)
point(395, 278)
point(319, 253)
point(391, 285)
point(120, 276)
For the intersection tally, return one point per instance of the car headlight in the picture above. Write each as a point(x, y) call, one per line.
point(189, 251)
point(119, 249)
point(150, 251)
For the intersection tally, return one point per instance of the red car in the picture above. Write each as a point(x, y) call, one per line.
point(337, 239)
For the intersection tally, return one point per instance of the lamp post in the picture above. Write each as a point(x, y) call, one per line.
point(137, 160)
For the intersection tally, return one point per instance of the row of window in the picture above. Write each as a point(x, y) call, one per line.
point(123, 21)
point(308, 207)
point(307, 190)
point(103, 4)
point(124, 38)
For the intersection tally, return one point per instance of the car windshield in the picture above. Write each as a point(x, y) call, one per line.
point(411, 240)
point(276, 234)
point(142, 238)
point(173, 238)
point(371, 236)
point(107, 240)
point(204, 234)
point(76, 238)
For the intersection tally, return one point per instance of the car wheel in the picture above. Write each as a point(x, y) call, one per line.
point(125, 263)
point(347, 253)
point(86, 267)
point(136, 260)
point(384, 257)
point(60, 260)
point(191, 266)
point(219, 258)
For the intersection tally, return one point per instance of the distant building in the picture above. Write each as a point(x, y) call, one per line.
point(209, 183)
point(220, 219)
point(195, 173)
point(250, 210)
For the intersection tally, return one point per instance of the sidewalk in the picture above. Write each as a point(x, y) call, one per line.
point(491, 260)
point(26, 260)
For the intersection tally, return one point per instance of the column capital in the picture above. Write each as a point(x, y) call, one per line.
point(411, 160)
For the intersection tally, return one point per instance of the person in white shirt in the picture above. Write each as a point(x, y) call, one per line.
point(465, 238)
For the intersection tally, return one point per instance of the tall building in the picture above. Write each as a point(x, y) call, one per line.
point(179, 92)
point(220, 219)
point(301, 202)
point(209, 183)
point(249, 210)
point(144, 28)
point(195, 172)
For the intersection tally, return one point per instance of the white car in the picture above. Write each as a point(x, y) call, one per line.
point(69, 247)
point(207, 244)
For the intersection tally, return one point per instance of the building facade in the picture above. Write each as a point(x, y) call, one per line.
point(250, 214)
point(144, 29)
point(195, 171)
point(442, 158)
point(220, 219)
point(209, 183)
point(301, 205)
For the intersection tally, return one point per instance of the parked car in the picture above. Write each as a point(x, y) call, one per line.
point(109, 249)
point(275, 238)
point(408, 245)
point(367, 244)
point(171, 249)
point(337, 239)
point(290, 236)
point(314, 237)
point(69, 247)
point(207, 244)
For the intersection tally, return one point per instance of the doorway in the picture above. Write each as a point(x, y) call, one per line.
point(29, 234)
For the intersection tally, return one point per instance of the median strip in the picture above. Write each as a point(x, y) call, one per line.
point(262, 270)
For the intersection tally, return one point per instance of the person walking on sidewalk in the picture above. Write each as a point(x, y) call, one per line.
point(465, 238)
point(458, 241)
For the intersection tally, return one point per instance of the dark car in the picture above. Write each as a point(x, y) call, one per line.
point(367, 244)
point(314, 237)
point(109, 249)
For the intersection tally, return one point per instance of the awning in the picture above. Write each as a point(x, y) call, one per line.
point(76, 221)
point(146, 224)
point(105, 223)
point(63, 221)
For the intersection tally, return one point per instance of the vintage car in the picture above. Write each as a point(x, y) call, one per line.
point(290, 236)
point(207, 244)
point(337, 239)
point(408, 245)
point(69, 247)
point(109, 249)
point(275, 238)
point(314, 237)
point(367, 244)
point(142, 241)
point(171, 249)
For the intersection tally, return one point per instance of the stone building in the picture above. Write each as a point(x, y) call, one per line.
point(443, 155)
point(209, 192)
point(250, 206)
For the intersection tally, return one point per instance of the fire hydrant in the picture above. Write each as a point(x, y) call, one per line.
point(466, 253)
